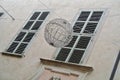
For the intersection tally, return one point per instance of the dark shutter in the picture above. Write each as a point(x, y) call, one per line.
point(20, 36)
point(43, 15)
point(64, 52)
point(12, 47)
point(96, 15)
point(76, 56)
point(83, 16)
point(90, 28)
point(35, 15)
point(72, 41)
point(78, 27)
point(37, 25)
point(28, 37)
point(83, 42)
point(21, 48)
point(28, 25)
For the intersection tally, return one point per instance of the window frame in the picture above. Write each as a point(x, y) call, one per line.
point(27, 31)
point(93, 35)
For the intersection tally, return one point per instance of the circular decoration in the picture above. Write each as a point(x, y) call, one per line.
point(58, 32)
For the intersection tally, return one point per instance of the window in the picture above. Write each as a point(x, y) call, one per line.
point(1, 13)
point(84, 29)
point(28, 31)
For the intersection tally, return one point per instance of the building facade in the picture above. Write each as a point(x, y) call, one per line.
point(92, 54)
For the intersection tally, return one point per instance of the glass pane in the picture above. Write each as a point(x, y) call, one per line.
point(83, 42)
point(63, 54)
point(90, 28)
point(43, 15)
point(78, 27)
point(20, 36)
point(96, 16)
point(12, 47)
point(83, 16)
point(72, 41)
point(28, 37)
point(21, 48)
point(37, 25)
point(35, 15)
point(76, 56)
point(28, 25)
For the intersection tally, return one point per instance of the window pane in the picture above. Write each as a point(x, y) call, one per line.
point(43, 15)
point(83, 42)
point(63, 54)
point(90, 28)
point(72, 41)
point(76, 56)
point(1, 14)
point(28, 25)
point(83, 16)
point(28, 37)
point(20, 36)
point(78, 27)
point(12, 47)
point(96, 16)
point(35, 15)
point(37, 25)
point(21, 48)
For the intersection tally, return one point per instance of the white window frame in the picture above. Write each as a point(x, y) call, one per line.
point(22, 30)
point(93, 36)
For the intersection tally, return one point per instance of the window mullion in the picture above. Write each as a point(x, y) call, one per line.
point(86, 49)
point(72, 49)
point(20, 41)
point(35, 21)
point(32, 24)
point(86, 22)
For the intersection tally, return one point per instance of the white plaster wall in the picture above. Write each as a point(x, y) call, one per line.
point(107, 46)
point(102, 56)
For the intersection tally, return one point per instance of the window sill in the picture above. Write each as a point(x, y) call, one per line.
point(70, 66)
point(11, 54)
